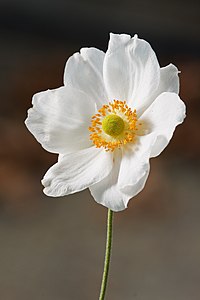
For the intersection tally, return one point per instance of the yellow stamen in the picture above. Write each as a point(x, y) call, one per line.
point(113, 126)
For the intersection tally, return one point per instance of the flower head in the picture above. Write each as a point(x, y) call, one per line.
point(115, 111)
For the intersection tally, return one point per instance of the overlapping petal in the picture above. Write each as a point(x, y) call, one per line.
point(131, 169)
point(131, 71)
point(84, 71)
point(60, 118)
point(77, 171)
point(169, 80)
point(106, 192)
point(134, 167)
point(162, 117)
point(128, 176)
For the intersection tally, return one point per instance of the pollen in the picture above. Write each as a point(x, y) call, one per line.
point(113, 126)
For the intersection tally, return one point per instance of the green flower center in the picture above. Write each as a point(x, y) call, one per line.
point(113, 125)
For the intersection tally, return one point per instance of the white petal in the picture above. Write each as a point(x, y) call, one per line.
point(169, 80)
point(131, 71)
point(77, 171)
point(162, 117)
point(84, 71)
point(133, 190)
point(106, 192)
point(134, 167)
point(60, 118)
point(117, 40)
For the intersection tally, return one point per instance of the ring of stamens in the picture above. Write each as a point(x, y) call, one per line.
point(103, 136)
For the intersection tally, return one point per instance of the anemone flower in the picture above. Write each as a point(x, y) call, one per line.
point(115, 111)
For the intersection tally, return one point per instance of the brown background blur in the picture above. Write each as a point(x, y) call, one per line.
point(53, 249)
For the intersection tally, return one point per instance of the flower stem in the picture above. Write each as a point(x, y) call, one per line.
point(107, 255)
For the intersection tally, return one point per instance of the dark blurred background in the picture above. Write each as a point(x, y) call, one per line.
point(53, 249)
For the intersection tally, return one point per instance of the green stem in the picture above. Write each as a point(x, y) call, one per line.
point(107, 255)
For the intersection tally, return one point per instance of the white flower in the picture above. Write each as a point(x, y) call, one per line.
point(115, 111)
